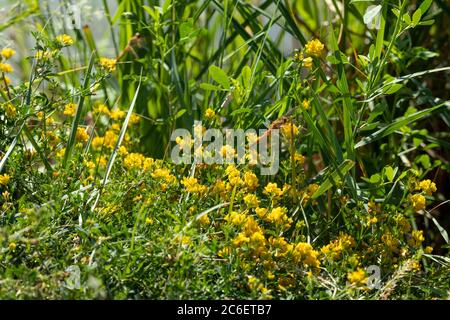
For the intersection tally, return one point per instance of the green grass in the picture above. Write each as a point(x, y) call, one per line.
point(97, 190)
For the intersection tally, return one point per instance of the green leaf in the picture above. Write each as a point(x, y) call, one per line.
point(219, 76)
point(392, 88)
point(335, 177)
point(389, 173)
point(425, 5)
point(416, 17)
point(209, 87)
point(398, 123)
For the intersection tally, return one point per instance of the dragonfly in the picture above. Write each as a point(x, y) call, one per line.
point(135, 42)
point(276, 124)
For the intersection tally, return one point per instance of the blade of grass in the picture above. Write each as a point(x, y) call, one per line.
point(77, 119)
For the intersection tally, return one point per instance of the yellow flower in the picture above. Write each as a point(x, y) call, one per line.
point(61, 153)
point(70, 109)
point(428, 250)
point(102, 109)
point(236, 218)
point(10, 110)
point(7, 53)
point(357, 277)
point(134, 119)
point(299, 158)
point(308, 63)
point(191, 184)
point(304, 253)
point(204, 220)
point(108, 64)
point(261, 212)
point(64, 40)
point(251, 180)
point(148, 220)
point(117, 114)
point(81, 135)
point(418, 201)
point(314, 47)
point(6, 68)
point(251, 200)
point(4, 179)
point(210, 114)
point(306, 104)
point(133, 161)
point(289, 130)
point(416, 239)
point(278, 216)
point(12, 246)
point(427, 186)
point(335, 248)
point(163, 174)
point(272, 189)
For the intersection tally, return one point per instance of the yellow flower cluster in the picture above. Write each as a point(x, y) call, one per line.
point(10, 110)
point(164, 174)
point(271, 189)
point(289, 130)
point(65, 40)
point(136, 160)
point(416, 239)
point(109, 140)
point(251, 200)
point(81, 135)
point(6, 68)
point(251, 180)
point(337, 247)
point(234, 176)
point(108, 64)
point(191, 184)
point(210, 114)
point(70, 109)
point(4, 179)
point(304, 253)
point(7, 53)
point(279, 217)
point(418, 202)
point(427, 186)
point(358, 277)
point(314, 48)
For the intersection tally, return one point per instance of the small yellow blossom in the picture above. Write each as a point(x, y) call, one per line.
point(81, 135)
point(6, 68)
point(236, 218)
point(70, 109)
point(108, 64)
point(12, 246)
point(418, 202)
point(65, 40)
point(7, 53)
point(314, 47)
point(308, 63)
point(306, 104)
point(117, 114)
point(101, 109)
point(4, 179)
point(289, 130)
point(271, 189)
point(251, 180)
point(426, 186)
point(133, 161)
point(204, 220)
point(210, 114)
point(251, 200)
point(357, 277)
